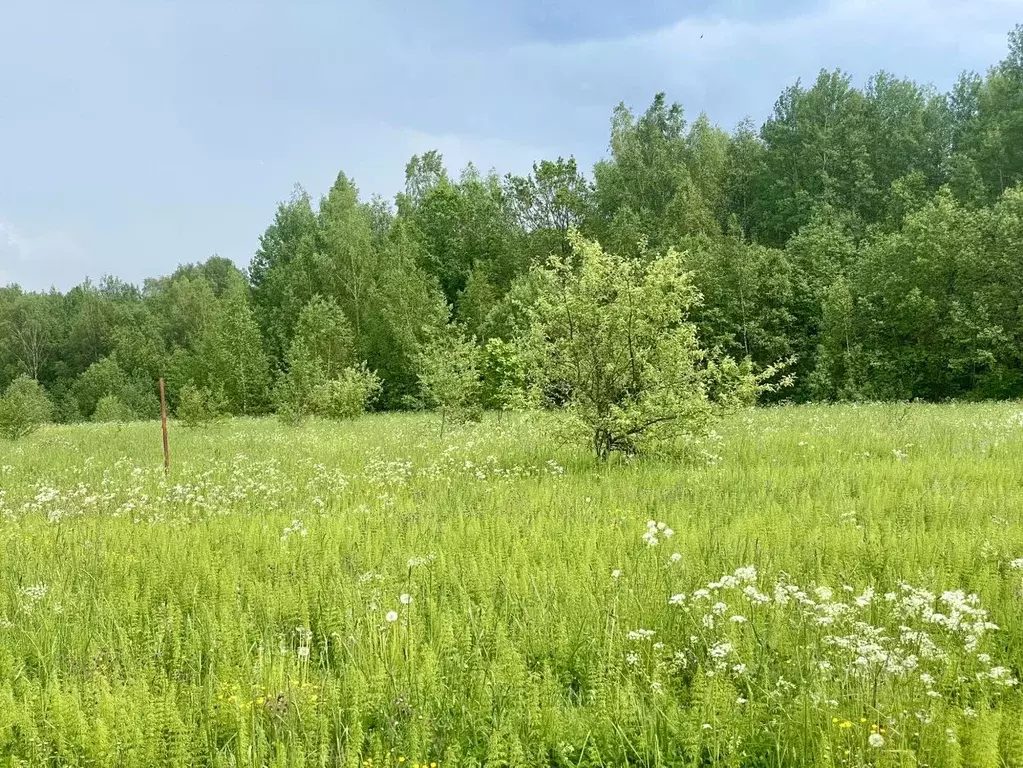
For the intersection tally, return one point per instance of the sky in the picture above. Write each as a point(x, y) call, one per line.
point(136, 135)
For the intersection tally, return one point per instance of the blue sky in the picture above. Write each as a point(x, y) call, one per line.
point(140, 134)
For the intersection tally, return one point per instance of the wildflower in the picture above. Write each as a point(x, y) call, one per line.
point(303, 652)
point(675, 557)
point(632, 659)
point(656, 687)
point(392, 616)
point(740, 701)
point(865, 599)
point(616, 573)
point(747, 573)
point(1017, 564)
point(738, 619)
point(720, 650)
point(641, 634)
point(755, 595)
point(405, 599)
point(1000, 675)
point(876, 740)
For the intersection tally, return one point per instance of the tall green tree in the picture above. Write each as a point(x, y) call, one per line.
point(229, 356)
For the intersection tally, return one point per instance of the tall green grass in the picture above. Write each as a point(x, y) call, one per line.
point(378, 594)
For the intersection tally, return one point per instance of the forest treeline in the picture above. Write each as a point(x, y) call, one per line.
point(874, 235)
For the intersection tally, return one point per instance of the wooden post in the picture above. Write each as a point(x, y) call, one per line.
point(163, 422)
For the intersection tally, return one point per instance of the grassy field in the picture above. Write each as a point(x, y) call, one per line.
point(820, 586)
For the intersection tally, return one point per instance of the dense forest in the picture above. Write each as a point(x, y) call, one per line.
point(873, 235)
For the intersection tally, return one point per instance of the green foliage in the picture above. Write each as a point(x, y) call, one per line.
point(106, 378)
point(449, 376)
point(199, 406)
point(347, 396)
point(24, 407)
point(294, 391)
point(508, 384)
point(229, 355)
point(110, 408)
point(616, 337)
point(327, 336)
point(319, 378)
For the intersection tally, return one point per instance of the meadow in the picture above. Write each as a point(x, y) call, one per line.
point(820, 585)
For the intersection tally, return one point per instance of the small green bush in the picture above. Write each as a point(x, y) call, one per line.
point(198, 406)
point(110, 408)
point(24, 408)
point(347, 396)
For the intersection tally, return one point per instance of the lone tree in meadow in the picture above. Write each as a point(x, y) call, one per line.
point(614, 334)
point(24, 408)
point(449, 376)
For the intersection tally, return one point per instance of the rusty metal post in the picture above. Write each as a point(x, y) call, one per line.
point(163, 421)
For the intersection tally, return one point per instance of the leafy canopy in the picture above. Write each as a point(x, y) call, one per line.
point(614, 335)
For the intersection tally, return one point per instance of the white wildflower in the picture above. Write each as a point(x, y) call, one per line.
point(747, 573)
point(641, 634)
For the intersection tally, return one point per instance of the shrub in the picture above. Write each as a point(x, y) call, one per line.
point(347, 396)
point(24, 408)
point(198, 406)
point(293, 394)
point(615, 335)
point(449, 376)
point(107, 378)
point(110, 408)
